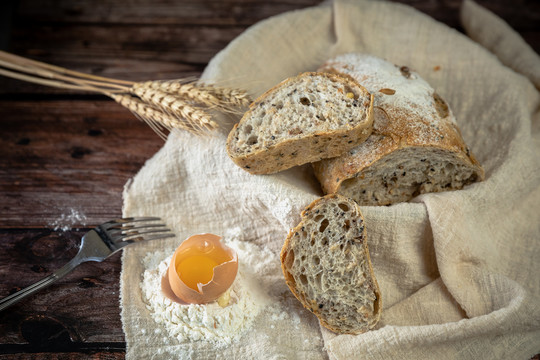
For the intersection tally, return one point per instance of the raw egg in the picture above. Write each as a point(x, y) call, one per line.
point(201, 270)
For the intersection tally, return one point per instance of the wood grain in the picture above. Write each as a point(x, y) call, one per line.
point(60, 155)
point(79, 311)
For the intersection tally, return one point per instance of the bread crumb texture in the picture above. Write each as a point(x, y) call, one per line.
point(326, 264)
point(304, 119)
point(416, 146)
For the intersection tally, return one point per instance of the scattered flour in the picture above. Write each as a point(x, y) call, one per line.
point(210, 322)
point(66, 221)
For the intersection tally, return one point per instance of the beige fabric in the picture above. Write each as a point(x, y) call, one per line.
point(458, 271)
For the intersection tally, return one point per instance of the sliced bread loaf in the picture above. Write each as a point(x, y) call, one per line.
point(326, 264)
point(303, 119)
point(416, 146)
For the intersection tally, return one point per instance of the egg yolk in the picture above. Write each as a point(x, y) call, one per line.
point(196, 269)
point(195, 265)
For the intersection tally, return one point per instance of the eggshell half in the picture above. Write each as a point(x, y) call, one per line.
point(223, 277)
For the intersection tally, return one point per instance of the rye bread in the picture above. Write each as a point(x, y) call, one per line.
point(416, 146)
point(326, 264)
point(303, 119)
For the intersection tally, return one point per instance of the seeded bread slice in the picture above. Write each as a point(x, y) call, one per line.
point(326, 264)
point(416, 146)
point(303, 119)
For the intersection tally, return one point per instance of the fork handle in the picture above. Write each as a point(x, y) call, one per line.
point(41, 284)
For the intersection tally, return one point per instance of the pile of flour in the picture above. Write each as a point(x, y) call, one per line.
point(210, 322)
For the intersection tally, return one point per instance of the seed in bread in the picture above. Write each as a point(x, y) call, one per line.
point(416, 146)
point(305, 118)
point(326, 264)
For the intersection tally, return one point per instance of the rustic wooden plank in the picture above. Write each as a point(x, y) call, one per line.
point(130, 52)
point(59, 156)
point(131, 41)
point(102, 40)
point(522, 15)
point(201, 12)
point(107, 44)
point(81, 308)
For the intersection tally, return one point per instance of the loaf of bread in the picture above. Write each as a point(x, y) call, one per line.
point(416, 146)
point(303, 119)
point(326, 264)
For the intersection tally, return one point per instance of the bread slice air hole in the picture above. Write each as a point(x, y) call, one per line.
point(252, 140)
point(318, 281)
point(343, 206)
point(305, 101)
point(324, 225)
point(324, 241)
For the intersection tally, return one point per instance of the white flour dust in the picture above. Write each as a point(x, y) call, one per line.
point(210, 322)
point(67, 220)
point(259, 300)
point(195, 322)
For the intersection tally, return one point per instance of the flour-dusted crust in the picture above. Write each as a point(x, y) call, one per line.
point(326, 264)
point(303, 119)
point(416, 146)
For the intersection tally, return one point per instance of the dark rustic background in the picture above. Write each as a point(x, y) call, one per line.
point(65, 156)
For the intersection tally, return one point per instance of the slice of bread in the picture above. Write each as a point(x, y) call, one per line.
point(303, 119)
point(326, 264)
point(416, 146)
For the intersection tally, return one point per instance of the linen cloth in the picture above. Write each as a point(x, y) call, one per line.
point(458, 271)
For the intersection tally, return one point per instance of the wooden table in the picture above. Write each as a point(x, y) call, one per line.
point(65, 156)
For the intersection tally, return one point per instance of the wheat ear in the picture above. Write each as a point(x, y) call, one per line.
point(158, 120)
point(233, 97)
point(194, 116)
point(229, 100)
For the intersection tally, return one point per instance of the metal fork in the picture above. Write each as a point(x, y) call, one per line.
point(97, 245)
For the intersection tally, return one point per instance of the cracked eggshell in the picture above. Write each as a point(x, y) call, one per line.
point(223, 276)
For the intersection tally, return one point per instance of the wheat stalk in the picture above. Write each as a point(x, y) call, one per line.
point(226, 99)
point(163, 105)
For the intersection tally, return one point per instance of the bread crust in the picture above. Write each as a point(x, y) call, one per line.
point(311, 304)
point(422, 125)
point(299, 150)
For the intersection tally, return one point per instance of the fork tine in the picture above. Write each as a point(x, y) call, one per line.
point(119, 235)
point(123, 230)
point(140, 218)
point(145, 238)
point(127, 221)
point(128, 234)
point(135, 227)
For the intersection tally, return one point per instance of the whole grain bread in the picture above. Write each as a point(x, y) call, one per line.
point(326, 264)
point(416, 146)
point(303, 119)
